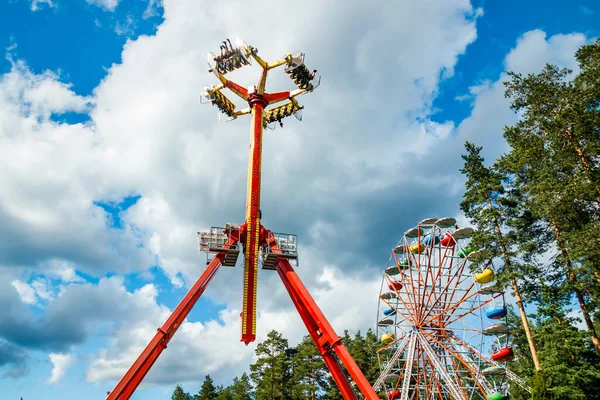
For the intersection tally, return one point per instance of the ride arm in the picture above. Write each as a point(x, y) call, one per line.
point(237, 89)
point(136, 373)
point(271, 64)
point(243, 111)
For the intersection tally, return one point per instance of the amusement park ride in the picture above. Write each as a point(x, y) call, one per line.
point(276, 250)
point(440, 313)
point(435, 338)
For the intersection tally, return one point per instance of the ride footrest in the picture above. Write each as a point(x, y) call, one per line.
point(270, 260)
point(231, 257)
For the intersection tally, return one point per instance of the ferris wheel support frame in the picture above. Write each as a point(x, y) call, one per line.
point(253, 236)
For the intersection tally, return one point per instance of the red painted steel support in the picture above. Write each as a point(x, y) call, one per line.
point(144, 362)
point(252, 231)
point(322, 333)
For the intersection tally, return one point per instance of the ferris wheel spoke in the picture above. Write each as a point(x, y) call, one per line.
point(470, 348)
point(482, 383)
point(408, 366)
point(481, 304)
point(470, 369)
point(392, 361)
point(398, 311)
point(438, 298)
point(453, 388)
point(458, 379)
point(413, 287)
point(410, 307)
point(458, 273)
point(404, 283)
point(466, 297)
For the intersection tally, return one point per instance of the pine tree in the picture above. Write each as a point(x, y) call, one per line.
point(309, 371)
point(208, 391)
point(555, 151)
point(179, 394)
point(572, 367)
point(242, 388)
point(486, 204)
point(224, 393)
point(270, 372)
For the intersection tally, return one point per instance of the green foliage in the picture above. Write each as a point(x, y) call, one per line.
point(271, 371)
point(208, 391)
point(308, 371)
point(241, 388)
point(551, 174)
point(291, 373)
point(179, 394)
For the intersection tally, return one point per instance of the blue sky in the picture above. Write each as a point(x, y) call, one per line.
point(115, 165)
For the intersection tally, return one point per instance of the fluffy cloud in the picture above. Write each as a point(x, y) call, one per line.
point(61, 363)
point(26, 292)
point(35, 4)
point(108, 5)
point(213, 347)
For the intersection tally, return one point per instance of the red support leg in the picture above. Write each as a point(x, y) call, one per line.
point(323, 334)
point(313, 329)
point(131, 380)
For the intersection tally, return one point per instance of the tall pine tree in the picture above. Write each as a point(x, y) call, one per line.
point(485, 203)
point(309, 371)
point(242, 388)
point(208, 391)
point(179, 394)
point(271, 371)
point(556, 175)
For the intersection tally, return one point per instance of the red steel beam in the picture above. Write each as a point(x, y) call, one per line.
point(136, 373)
point(321, 331)
point(313, 329)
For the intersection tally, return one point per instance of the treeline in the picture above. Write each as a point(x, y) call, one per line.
point(537, 211)
point(282, 372)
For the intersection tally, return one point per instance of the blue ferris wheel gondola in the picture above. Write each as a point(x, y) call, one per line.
point(496, 312)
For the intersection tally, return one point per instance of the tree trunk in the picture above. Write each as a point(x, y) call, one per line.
point(534, 355)
point(573, 280)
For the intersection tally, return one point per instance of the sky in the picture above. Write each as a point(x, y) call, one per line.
point(109, 165)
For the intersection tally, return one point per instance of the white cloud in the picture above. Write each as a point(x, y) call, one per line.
point(108, 5)
point(491, 110)
point(151, 9)
point(26, 292)
point(61, 363)
point(125, 28)
point(533, 51)
point(35, 4)
point(214, 347)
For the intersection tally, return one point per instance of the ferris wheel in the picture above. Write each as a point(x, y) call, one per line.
point(441, 319)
